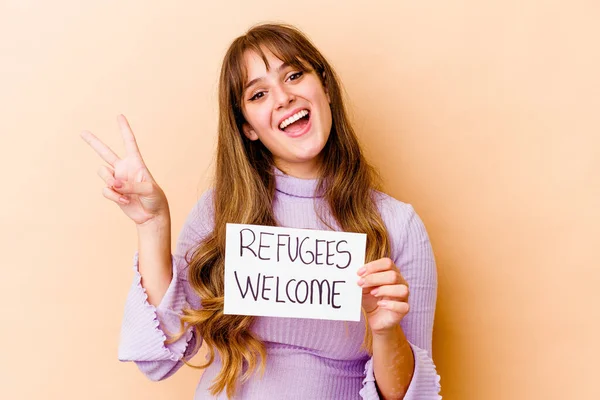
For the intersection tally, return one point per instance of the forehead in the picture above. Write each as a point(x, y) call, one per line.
point(255, 65)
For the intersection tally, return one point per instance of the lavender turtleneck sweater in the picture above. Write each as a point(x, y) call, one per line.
point(306, 358)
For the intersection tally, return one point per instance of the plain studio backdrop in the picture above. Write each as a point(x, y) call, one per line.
point(483, 115)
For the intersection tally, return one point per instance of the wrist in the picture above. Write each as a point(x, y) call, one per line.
point(394, 333)
point(158, 222)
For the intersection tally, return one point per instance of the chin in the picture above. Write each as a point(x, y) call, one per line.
point(309, 153)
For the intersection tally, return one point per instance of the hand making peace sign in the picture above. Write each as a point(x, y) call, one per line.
point(129, 182)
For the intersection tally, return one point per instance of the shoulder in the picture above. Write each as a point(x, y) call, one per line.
point(196, 227)
point(402, 222)
point(200, 219)
point(395, 213)
point(205, 203)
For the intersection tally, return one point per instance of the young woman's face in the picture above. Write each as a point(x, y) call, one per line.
point(288, 111)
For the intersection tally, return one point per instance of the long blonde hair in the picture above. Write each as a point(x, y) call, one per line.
point(244, 190)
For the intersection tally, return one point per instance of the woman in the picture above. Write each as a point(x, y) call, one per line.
point(287, 156)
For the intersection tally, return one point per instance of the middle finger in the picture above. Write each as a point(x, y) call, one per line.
point(398, 291)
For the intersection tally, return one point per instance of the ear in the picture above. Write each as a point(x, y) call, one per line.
point(325, 87)
point(249, 132)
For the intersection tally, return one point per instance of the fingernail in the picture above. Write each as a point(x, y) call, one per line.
point(118, 184)
point(361, 271)
point(382, 303)
point(123, 200)
point(374, 291)
point(360, 281)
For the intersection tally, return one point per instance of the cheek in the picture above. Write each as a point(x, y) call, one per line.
point(320, 97)
point(259, 118)
point(263, 118)
point(325, 109)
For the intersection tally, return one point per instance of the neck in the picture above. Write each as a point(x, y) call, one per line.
point(303, 170)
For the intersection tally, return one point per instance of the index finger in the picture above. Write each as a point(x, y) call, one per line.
point(131, 146)
point(382, 264)
point(103, 150)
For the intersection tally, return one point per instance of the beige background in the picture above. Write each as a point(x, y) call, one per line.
point(483, 115)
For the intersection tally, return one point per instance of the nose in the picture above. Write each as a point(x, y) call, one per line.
point(282, 96)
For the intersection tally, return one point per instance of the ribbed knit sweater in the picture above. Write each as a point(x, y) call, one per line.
point(306, 358)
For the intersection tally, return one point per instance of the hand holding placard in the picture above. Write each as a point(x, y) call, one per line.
point(297, 273)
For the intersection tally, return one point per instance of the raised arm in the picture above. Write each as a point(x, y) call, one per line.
point(144, 325)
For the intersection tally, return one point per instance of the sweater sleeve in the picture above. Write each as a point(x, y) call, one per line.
point(416, 262)
point(145, 327)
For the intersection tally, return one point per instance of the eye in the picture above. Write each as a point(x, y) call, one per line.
point(257, 96)
point(295, 76)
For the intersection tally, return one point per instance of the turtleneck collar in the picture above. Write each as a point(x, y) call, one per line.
point(296, 187)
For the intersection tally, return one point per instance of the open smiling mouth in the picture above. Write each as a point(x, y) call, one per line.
point(296, 123)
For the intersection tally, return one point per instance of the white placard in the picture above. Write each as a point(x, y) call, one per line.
point(295, 273)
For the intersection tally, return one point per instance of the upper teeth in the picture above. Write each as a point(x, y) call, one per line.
point(293, 118)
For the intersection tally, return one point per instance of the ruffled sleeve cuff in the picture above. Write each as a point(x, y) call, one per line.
point(369, 389)
point(144, 326)
point(425, 383)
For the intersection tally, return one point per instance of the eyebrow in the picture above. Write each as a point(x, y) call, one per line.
point(253, 81)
